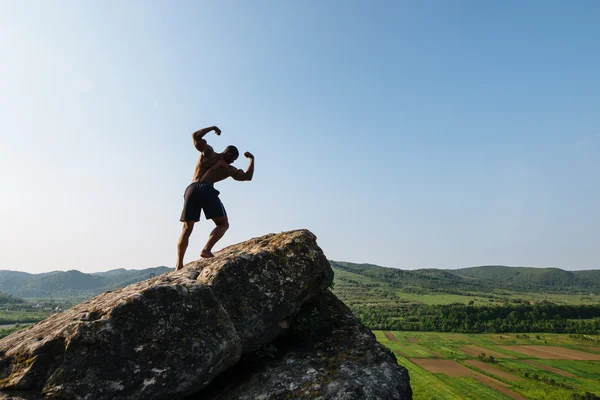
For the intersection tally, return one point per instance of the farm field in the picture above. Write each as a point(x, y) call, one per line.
point(10, 317)
point(10, 326)
point(524, 366)
point(444, 298)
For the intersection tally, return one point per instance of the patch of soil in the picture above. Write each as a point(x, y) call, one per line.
point(492, 383)
point(391, 337)
point(551, 369)
point(476, 350)
point(594, 349)
point(493, 371)
point(552, 353)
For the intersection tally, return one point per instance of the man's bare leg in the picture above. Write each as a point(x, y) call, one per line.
point(182, 245)
point(217, 233)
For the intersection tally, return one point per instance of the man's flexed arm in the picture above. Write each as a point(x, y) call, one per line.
point(199, 142)
point(240, 175)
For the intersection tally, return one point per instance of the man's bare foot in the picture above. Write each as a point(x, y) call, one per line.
point(206, 254)
point(177, 268)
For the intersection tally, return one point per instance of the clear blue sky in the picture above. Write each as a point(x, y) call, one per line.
point(406, 134)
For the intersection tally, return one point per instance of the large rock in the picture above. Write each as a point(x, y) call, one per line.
point(264, 281)
point(327, 354)
point(168, 335)
point(171, 335)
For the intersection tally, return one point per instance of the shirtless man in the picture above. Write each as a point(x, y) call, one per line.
point(201, 195)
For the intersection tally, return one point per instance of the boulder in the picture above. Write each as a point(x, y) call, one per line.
point(327, 354)
point(170, 335)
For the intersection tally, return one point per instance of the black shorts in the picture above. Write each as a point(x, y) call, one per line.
point(201, 196)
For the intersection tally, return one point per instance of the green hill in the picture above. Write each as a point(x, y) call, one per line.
point(536, 279)
point(434, 280)
point(10, 279)
point(483, 279)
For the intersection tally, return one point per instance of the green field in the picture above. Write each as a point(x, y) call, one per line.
point(10, 317)
point(445, 298)
point(12, 320)
point(533, 382)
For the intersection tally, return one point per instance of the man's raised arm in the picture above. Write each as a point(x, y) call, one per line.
point(240, 175)
point(199, 142)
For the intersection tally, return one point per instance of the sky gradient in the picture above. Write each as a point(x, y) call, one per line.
point(405, 134)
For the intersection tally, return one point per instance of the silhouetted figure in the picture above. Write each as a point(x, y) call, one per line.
point(201, 194)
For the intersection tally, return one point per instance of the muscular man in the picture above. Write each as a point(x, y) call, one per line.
point(201, 195)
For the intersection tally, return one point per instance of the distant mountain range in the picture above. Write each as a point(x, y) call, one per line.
point(79, 285)
point(71, 284)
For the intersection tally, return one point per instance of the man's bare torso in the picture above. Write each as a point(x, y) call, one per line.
point(211, 167)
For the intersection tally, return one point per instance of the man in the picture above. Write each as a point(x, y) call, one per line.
point(201, 195)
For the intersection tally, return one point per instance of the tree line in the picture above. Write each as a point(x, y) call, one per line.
point(543, 317)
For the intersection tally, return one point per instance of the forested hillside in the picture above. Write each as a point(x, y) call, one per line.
point(482, 279)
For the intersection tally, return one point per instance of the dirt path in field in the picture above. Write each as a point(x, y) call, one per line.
point(597, 349)
point(391, 337)
point(413, 340)
point(493, 371)
point(552, 353)
point(476, 350)
point(551, 369)
point(492, 383)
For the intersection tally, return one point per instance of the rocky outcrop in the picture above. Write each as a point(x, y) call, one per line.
point(172, 335)
point(327, 354)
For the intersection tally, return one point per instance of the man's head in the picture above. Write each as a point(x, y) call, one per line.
point(230, 154)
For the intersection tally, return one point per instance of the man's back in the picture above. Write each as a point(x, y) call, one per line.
point(219, 171)
point(208, 158)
